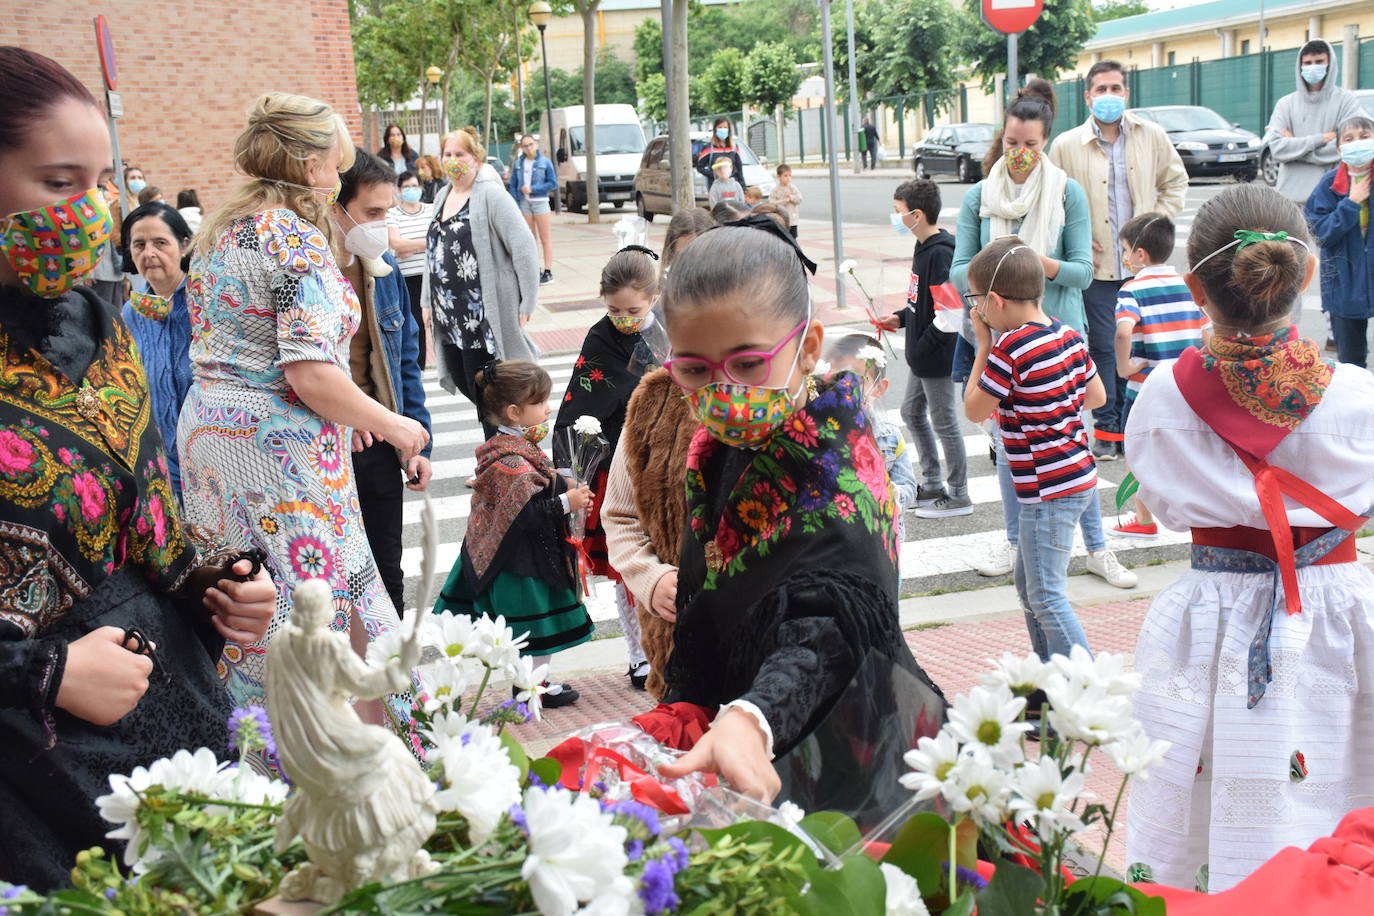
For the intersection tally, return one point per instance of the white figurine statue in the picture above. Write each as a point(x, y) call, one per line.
point(361, 804)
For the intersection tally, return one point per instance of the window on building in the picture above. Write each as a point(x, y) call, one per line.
point(1171, 58)
point(1244, 46)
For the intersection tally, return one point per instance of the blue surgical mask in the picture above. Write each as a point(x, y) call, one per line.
point(722, 133)
point(1358, 153)
point(899, 225)
point(1313, 73)
point(411, 195)
point(1108, 108)
point(136, 185)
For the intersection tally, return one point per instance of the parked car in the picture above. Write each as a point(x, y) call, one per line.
point(954, 149)
point(1207, 143)
point(502, 168)
point(654, 181)
point(1270, 168)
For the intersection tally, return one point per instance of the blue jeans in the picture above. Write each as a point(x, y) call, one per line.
point(1099, 304)
point(1042, 571)
point(1352, 340)
point(1094, 538)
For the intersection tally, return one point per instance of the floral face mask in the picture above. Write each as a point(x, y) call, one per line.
point(1021, 159)
point(744, 415)
point(631, 324)
point(536, 433)
point(151, 306)
point(456, 168)
point(50, 248)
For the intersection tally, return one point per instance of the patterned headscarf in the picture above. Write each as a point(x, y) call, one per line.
point(1278, 378)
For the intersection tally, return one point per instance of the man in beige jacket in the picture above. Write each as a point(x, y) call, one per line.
point(1126, 166)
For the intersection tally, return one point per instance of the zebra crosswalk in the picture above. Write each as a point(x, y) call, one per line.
point(934, 551)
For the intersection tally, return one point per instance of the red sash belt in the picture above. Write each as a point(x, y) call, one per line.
point(1259, 540)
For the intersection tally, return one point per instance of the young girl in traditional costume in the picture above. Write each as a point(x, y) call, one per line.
point(604, 376)
point(516, 561)
point(787, 577)
point(1258, 664)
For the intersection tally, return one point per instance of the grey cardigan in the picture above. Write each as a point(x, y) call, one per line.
point(507, 267)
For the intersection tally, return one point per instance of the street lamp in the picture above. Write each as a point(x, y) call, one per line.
point(433, 75)
point(540, 14)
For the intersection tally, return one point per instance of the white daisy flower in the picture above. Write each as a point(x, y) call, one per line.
point(1043, 794)
point(976, 787)
point(1135, 755)
point(1088, 713)
point(930, 763)
point(986, 718)
point(1021, 674)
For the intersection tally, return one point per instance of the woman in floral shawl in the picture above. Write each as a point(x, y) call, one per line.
point(784, 477)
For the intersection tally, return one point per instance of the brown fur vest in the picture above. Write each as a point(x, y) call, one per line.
point(658, 429)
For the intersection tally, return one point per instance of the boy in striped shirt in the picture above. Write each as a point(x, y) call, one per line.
point(1035, 372)
point(1156, 320)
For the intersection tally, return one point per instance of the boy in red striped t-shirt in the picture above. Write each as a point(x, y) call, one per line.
point(1035, 372)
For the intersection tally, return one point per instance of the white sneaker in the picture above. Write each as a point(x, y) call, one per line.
point(998, 562)
point(1105, 565)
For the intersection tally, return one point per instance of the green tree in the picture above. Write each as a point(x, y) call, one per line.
point(1119, 9)
point(564, 89)
point(916, 46)
point(795, 23)
point(615, 82)
point(771, 77)
point(723, 81)
point(648, 48)
point(1048, 47)
point(653, 99)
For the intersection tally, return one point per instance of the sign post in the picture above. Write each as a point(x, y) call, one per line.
point(1011, 18)
point(114, 103)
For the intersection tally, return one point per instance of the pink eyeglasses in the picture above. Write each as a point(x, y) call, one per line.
point(750, 367)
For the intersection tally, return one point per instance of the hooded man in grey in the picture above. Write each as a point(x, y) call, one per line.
point(1302, 131)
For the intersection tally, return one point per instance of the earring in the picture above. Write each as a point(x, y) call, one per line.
point(811, 390)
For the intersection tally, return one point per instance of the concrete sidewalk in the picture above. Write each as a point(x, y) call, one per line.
point(571, 303)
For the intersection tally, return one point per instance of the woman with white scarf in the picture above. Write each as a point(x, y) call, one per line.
point(1028, 195)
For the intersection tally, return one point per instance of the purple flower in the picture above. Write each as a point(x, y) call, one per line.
point(250, 730)
point(517, 817)
point(634, 850)
point(656, 887)
point(965, 876)
point(535, 781)
point(642, 813)
point(109, 893)
point(679, 853)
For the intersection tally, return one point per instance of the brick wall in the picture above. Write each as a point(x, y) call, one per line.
point(190, 69)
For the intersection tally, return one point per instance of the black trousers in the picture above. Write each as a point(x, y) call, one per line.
point(463, 364)
point(377, 473)
point(413, 286)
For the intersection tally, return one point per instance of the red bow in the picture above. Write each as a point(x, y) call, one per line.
point(584, 561)
point(575, 754)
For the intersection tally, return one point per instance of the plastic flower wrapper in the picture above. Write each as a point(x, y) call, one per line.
point(587, 449)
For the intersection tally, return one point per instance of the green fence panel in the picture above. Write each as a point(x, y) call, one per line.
point(1071, 110)
point(1227, 86)
point(1366, 63)
point(1163, 86)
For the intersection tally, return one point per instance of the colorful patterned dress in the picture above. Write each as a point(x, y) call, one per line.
point(259, 466)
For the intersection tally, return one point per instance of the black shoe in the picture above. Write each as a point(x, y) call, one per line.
point(565, 697)
point(927, 496)
point(1104, 450)
point(545, 276)
point(638, 675)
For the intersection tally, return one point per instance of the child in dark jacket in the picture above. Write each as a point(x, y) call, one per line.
point(930, 406)
point(1338, 212)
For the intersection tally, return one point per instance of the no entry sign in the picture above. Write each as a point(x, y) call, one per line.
point(1011, 16)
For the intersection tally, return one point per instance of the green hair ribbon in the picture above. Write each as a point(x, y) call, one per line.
point(1250, 237)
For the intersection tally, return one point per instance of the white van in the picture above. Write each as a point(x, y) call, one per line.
point(619, 147)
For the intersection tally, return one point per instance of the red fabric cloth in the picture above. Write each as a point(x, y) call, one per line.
point(1333, 877)
point(1258, 540)
point(677, 725)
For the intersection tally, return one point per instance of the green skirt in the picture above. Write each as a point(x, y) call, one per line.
point(555, 618)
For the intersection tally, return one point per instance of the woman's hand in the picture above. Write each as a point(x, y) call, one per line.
point(1359, 189)
point(579, 497)
point(524, 320)
point(361, 439)
point(241, 611)
point(103, 681)
point(734, 748)
point(663, 600)
point(407, 435)
point(418, 473)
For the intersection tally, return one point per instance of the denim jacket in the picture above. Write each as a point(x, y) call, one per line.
point(543, 179)
point(400, 337)
point(898, 460)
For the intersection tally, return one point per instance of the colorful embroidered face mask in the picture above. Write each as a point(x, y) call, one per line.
point(1021, 159)
point(631, 324)
point(456, 168)
point(151, 306)
point(52, 247)
point(744, 416)
point(535, 434)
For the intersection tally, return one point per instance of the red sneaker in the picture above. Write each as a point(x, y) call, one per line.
point(1134, 529)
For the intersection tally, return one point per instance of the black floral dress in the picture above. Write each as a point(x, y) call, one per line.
point(90, 536)
point(460, 318)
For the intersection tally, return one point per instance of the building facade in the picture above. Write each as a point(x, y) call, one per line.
point(189, 70)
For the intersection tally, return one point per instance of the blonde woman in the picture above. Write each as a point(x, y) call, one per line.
point(265, 432)
point(482, 271)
